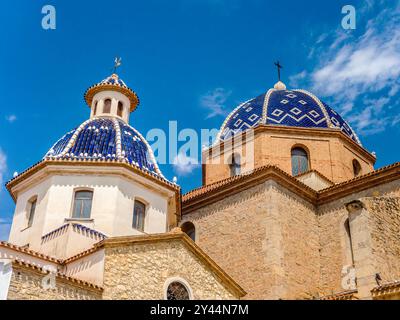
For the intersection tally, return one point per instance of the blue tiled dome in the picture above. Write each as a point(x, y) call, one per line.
point(106, 139)
point(293, 108)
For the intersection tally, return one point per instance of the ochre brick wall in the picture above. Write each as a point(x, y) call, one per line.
point(266, 238)
point(277, 245)
point(330, 155)
point(26, 285)
point(140, 271)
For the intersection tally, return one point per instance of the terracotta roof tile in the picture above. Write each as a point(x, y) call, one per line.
point(344, 295)
point(29, 252)
point(357, 184)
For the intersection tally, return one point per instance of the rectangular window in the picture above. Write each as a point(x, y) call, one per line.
point(32, 210)
point(82, 204)
point(139, 211)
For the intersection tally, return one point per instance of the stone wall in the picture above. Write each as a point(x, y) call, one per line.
point(330, 155)
point(266, 238)
point(141, 270)
point(382, 205)
point(300, 244)
point(26, 285)
point(385, 217)
point(333, 256)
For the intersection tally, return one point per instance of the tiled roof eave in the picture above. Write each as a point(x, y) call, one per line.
point(177, 234)
point(386, 289)
point(29, 252)
point(219, 190)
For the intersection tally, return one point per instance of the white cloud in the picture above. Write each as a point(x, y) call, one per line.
point(215, 101)
point(184, 165)
point(296, 79)
point(359, 74)
point(3, 165)
point(11, 118)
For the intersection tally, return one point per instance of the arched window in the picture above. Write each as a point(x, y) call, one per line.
point(31, 210)
point(139, 212)
point(82, 204)
point(300, 163)
point(177, 291)
point(356, 168)
point(95, 108)
point(120, 109)
point(234, 165)
point(107, 106)
point(189, 229)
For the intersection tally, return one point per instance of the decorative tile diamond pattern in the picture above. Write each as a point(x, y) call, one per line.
point(247, 116)
point(339, 122)
point(300, 110)
point(291, 108)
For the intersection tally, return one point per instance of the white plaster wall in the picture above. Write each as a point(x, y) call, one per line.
point(112, 207)
point(10, 254)
point(156, 209)
point(20, 234)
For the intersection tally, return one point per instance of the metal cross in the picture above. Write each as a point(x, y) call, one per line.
point(117, 63)
point(279, 67)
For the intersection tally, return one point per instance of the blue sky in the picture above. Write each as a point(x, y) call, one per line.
point(191, 61)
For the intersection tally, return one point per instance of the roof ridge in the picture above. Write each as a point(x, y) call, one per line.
point(361, 177)
point(188, 196)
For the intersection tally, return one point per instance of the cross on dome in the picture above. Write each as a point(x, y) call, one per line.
point(279, 67)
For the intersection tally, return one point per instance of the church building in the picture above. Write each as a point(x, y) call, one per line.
point(290, 207)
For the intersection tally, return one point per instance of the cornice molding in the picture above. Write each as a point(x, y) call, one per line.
point(212, 193)
point(48, 163)
point(315, 132)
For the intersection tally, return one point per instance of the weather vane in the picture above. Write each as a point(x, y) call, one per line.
point(117, 63)
point(279, 67)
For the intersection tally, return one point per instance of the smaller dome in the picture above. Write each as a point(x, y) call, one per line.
point(106, 139)
point(113, 83)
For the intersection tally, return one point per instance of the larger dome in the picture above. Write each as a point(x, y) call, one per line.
point(281, 107)
point(107, 139)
